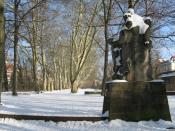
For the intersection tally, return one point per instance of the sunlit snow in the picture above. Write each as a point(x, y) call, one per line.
point(63, 103)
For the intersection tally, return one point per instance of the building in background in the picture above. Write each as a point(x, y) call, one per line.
point(9, 68)
point(166, 71)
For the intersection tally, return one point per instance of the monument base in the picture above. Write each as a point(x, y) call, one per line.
point(136, 101)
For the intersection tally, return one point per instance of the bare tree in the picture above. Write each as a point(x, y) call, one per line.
point(81, 43)
point(59, 52)
point(2, 42)
point(19, 18)
point(107, 14)
point(16, 30)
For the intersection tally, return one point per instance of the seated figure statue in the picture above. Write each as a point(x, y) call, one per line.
point(135, 44)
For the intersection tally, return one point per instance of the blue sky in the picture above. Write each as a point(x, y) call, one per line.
point(168, 48)
point(167, 53)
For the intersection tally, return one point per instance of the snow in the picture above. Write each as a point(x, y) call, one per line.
point(64, 103)
point(53, 103)
point(136, 21)
point(113, 81)
point(158, 80)
point(167, 75)
point(114, 125)
point(171, 101)
point(106, 114)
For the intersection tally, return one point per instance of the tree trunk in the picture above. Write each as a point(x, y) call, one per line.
point(59, 79)
point(107, 14)
point(34, 53)
point(20, 79)
point(36, 88)
point(81, 44)
point(35, 42)
point(47, 83)
point(74, 88)
point(5, 85)
point(16, 29)
point(5, 79)
point(146, 7)
point(130, 3)
point(14, 84)
point(2, 34)
point(55, 74)
point(44, 79)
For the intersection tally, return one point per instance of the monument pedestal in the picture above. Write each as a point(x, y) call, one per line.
point(136, 101)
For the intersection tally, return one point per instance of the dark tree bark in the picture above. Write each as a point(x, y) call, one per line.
point(130, 3)
point(16, 30)
point(5, 84)
point(2, 35)
point(17, 24)
point(107, 14)
point(5, 80)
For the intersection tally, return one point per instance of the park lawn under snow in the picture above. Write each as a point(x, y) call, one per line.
point(56, 103)
point(63, 103)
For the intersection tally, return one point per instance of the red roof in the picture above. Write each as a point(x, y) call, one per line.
point(9, 66)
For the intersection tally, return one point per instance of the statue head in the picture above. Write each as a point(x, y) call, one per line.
point(131, 20)
point(128, 18)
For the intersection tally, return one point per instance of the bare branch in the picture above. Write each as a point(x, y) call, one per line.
point(119, 6)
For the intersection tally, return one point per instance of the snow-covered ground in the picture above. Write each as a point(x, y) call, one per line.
point(63, 103)
point(53, 103)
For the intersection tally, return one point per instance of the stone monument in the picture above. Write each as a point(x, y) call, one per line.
point(135, 45)
point(133, 95)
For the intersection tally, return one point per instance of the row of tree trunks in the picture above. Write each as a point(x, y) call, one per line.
point(64, 71)
point(18, 21)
